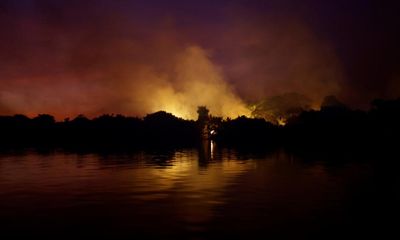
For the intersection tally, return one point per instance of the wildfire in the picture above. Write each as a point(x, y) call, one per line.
point(197, 82)
point(281, 121)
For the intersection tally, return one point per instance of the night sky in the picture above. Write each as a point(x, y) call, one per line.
point(135, 57)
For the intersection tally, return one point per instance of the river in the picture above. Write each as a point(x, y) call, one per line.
point(198, 193)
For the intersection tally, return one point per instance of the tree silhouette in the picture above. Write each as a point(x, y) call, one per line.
point(203, 114)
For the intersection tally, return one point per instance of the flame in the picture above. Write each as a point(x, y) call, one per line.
point(281, 121)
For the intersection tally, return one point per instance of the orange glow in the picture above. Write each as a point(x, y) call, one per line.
point(198, 82)
point(110, 65)
point(316, 106)
point(281, 121)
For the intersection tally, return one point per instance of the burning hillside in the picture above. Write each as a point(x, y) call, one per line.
point(277, 109)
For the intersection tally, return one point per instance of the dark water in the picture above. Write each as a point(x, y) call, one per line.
point(197, 194)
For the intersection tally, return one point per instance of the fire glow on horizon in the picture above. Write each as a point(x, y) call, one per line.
point(67, 58)
point(123, 63)
point(198, 83)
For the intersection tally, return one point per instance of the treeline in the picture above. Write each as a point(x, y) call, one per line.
point(332, 125)
point(338, 125)
point(106, 130)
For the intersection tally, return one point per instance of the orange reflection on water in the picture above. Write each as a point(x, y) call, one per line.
point(187, 186)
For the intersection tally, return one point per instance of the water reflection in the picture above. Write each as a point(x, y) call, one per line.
point(182, 192)
point(184, 184)
point(192, 183)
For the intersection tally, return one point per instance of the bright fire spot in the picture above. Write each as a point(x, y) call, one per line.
point(281, 121)
point(316, 106)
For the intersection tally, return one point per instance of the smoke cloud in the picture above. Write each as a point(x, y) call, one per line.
point(72, 57)
point(274, 55)
point(196, 81)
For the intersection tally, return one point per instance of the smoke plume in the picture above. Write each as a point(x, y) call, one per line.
point(93, 57)
point(195, 82)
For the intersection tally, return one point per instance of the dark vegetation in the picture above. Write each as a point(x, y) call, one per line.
point(159, 128)
point(334, 125)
